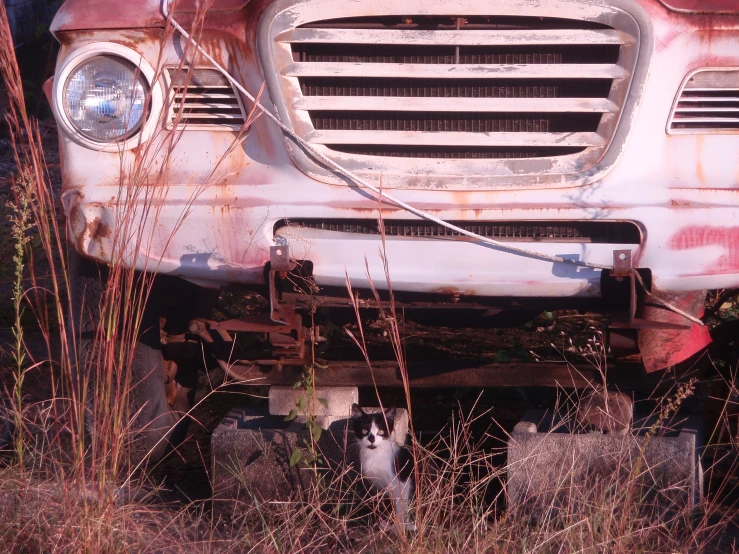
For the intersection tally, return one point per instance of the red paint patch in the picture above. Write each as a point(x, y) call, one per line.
point(699, 236)
point(663, 348)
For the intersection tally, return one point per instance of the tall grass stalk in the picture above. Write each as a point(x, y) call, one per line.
point(20, 227)
point(86, 462)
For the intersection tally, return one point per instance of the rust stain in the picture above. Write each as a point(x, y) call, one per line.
point(460, 198)
point(374, 211)
point(103, 14)
point(453, 293)
point(133, 39)
point(97, 230)
point(699, 157)
point(670, 25)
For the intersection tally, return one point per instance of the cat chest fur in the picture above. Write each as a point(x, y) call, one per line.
point(379, 464)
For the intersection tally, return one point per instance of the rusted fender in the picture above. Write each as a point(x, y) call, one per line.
point(663, 348)
point(48, 88)
point(702, 6)
point(75, 15)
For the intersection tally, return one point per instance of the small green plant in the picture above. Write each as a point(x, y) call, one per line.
point(308, 453)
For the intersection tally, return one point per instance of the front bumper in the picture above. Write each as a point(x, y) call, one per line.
point(222, 234)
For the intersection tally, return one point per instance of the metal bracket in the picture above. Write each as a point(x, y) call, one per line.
point(622, 266)
point(283, 326)
point(279, 262)
point(279, 258)
point(623, 269)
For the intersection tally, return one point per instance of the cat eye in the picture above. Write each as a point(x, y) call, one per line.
point(365, 431)
point(380, 432)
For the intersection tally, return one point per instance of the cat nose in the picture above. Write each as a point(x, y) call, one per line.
point(371, 438)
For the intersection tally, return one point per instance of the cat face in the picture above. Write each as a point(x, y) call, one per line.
point(372, 430)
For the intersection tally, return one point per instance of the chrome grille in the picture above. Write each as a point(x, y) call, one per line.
point(523, 84)
point(203, 98)
point(708, 102)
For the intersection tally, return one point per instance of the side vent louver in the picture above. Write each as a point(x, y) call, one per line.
point(203, 98)
point(708, 103)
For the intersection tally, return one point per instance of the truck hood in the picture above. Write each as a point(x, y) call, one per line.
point(75, 15)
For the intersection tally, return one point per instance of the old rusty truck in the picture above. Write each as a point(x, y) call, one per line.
point(519, 154)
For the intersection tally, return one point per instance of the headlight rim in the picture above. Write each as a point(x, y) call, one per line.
point(109, 49)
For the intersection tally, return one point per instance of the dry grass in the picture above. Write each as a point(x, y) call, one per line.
point(62, 490)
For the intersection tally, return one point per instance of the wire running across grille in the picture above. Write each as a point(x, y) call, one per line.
point(613, 232)
point(455, 87)
point(204, 97)
point(453, 94)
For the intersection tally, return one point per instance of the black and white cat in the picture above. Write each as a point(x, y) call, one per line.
point(384, 462)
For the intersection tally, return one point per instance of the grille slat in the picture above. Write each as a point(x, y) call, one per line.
point(730, 121)
point(435, 70)
point(455, 55)
point(581, 89)
point(615, 232)
point(211, 105)
point(471, 138)
point(453, 122)
point(203, 97)
point(446, 152)
point(493, 87)
point(708, 108)
point(717, 100)
point(191, 95)
point(431, 104)
point(466, 37)
point(708, 102)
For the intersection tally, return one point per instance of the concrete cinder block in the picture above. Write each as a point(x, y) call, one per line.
point(339, 400)
point(251, 452)
point(546, 460)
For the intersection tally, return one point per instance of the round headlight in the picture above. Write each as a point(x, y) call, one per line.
point(105, 97)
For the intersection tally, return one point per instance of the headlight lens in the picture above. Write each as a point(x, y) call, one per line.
point(104, 98)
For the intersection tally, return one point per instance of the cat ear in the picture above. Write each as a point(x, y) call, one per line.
point(357, 411)
point(390, 414)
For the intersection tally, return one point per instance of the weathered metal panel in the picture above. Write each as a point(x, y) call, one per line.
point(103, 14)
point(218, 201)
point(702, 6)
point(469, 268)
